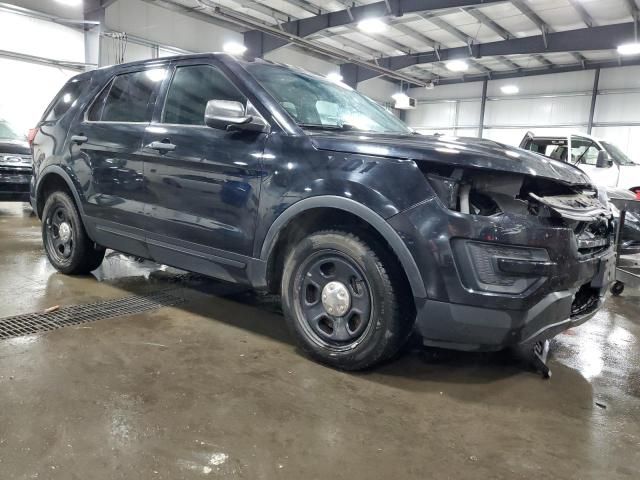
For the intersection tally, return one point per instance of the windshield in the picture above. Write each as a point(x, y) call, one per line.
point(315, 102)
point(7, 133)
point(618, 155)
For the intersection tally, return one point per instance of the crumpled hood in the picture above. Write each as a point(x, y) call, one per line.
point(458, 151)
point(18, 147)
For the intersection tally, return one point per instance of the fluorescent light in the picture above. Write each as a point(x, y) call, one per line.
point(70, 3)
point(509, 89)
point(629, 49)
point(334, 77)
point(402, 100)
point(372, 25)
point(457, 66)
point(234, 48)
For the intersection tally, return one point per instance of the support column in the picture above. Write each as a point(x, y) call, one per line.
point(483, 106)
point(594, 99)
point(94, 11)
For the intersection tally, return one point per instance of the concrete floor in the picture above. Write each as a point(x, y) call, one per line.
point(215, 388)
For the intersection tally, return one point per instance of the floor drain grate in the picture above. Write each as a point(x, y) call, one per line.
point(30, 323)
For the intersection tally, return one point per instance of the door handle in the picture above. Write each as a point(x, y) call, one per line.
point(162, 146)
point(79, 139)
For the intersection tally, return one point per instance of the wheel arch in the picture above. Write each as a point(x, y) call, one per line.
point(54, 175)
point(340, 204)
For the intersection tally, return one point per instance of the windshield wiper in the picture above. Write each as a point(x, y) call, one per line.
point(345, 127)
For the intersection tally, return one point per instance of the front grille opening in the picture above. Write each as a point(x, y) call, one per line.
point(586, 301)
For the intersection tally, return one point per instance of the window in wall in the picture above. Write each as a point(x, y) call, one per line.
point(65, 99)
point(127, 99)
point(191, 88)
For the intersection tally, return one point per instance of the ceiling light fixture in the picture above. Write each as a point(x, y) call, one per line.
point(629, 49)
point(70, 3)
point(457, 66)
point(372, 25)
point(234, 48)
point(334, 77)
point(509, 89)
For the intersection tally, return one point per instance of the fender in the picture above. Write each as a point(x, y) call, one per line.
point(367, 215)
point(58, 170)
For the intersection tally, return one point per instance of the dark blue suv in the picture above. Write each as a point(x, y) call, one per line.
point(262, 174)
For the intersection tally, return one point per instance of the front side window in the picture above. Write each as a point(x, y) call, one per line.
point(190, 90)
point(584, 151)
point(315, 102)
point(127, 97)
point(65, 99)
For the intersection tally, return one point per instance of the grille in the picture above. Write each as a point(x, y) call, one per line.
point(30, 323)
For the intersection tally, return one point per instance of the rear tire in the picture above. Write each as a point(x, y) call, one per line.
point(68, 247)
point(344, 305)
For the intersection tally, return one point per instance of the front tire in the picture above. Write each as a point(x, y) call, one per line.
point(345, 306)
point(65, 240)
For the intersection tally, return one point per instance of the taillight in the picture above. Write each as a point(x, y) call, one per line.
point(637, 194)
point(32, 135)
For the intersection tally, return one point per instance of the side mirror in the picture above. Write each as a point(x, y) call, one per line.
point(604, 160)
point(226, 115)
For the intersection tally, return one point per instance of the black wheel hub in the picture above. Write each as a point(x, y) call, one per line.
point(334, 299)
point(60, 235)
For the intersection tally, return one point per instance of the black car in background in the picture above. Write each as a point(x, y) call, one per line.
point(15, 165)
point(270, 176)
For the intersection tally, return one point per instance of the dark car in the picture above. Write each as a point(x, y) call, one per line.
point(15, 165)
point(265, 175)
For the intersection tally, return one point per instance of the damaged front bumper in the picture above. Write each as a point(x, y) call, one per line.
point(502, 280)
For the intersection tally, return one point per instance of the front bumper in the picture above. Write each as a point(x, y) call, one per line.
point(457, 315)
point(14, 186)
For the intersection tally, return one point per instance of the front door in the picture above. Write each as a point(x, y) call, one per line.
point(204, 183)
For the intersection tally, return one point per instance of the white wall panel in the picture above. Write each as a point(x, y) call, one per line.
point(619, 78)
point(456, 91)
point(618, 108)
point(432, 115)
point(41, 38)
point(546, 84)
point(469, 113)
point(26, 92)
point(538, 112)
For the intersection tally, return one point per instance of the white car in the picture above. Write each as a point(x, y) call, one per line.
point(604, 162)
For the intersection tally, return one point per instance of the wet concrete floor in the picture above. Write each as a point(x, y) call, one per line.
point(215, 388)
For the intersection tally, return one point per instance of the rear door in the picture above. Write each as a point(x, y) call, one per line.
point(204, 185)
point(584, 155)
point(105, 144)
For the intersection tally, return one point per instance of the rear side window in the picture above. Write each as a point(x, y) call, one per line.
point(65, 99)
point(127, 97)
point(191, 88)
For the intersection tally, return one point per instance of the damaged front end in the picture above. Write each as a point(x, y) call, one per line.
point(580, 208)
point(530, 256)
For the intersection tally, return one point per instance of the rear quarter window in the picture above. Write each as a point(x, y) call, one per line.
point(65, 99)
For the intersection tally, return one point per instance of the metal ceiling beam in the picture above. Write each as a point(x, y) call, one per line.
point(529, 72)
point(606, 37)
point(586, 18)
point(447, 27)
point(509, 63)
point(489, 23)
point(387, 8)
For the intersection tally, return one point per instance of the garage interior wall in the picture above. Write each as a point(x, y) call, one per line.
point(26, 88)
point(545, 104)
point(152, 32)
